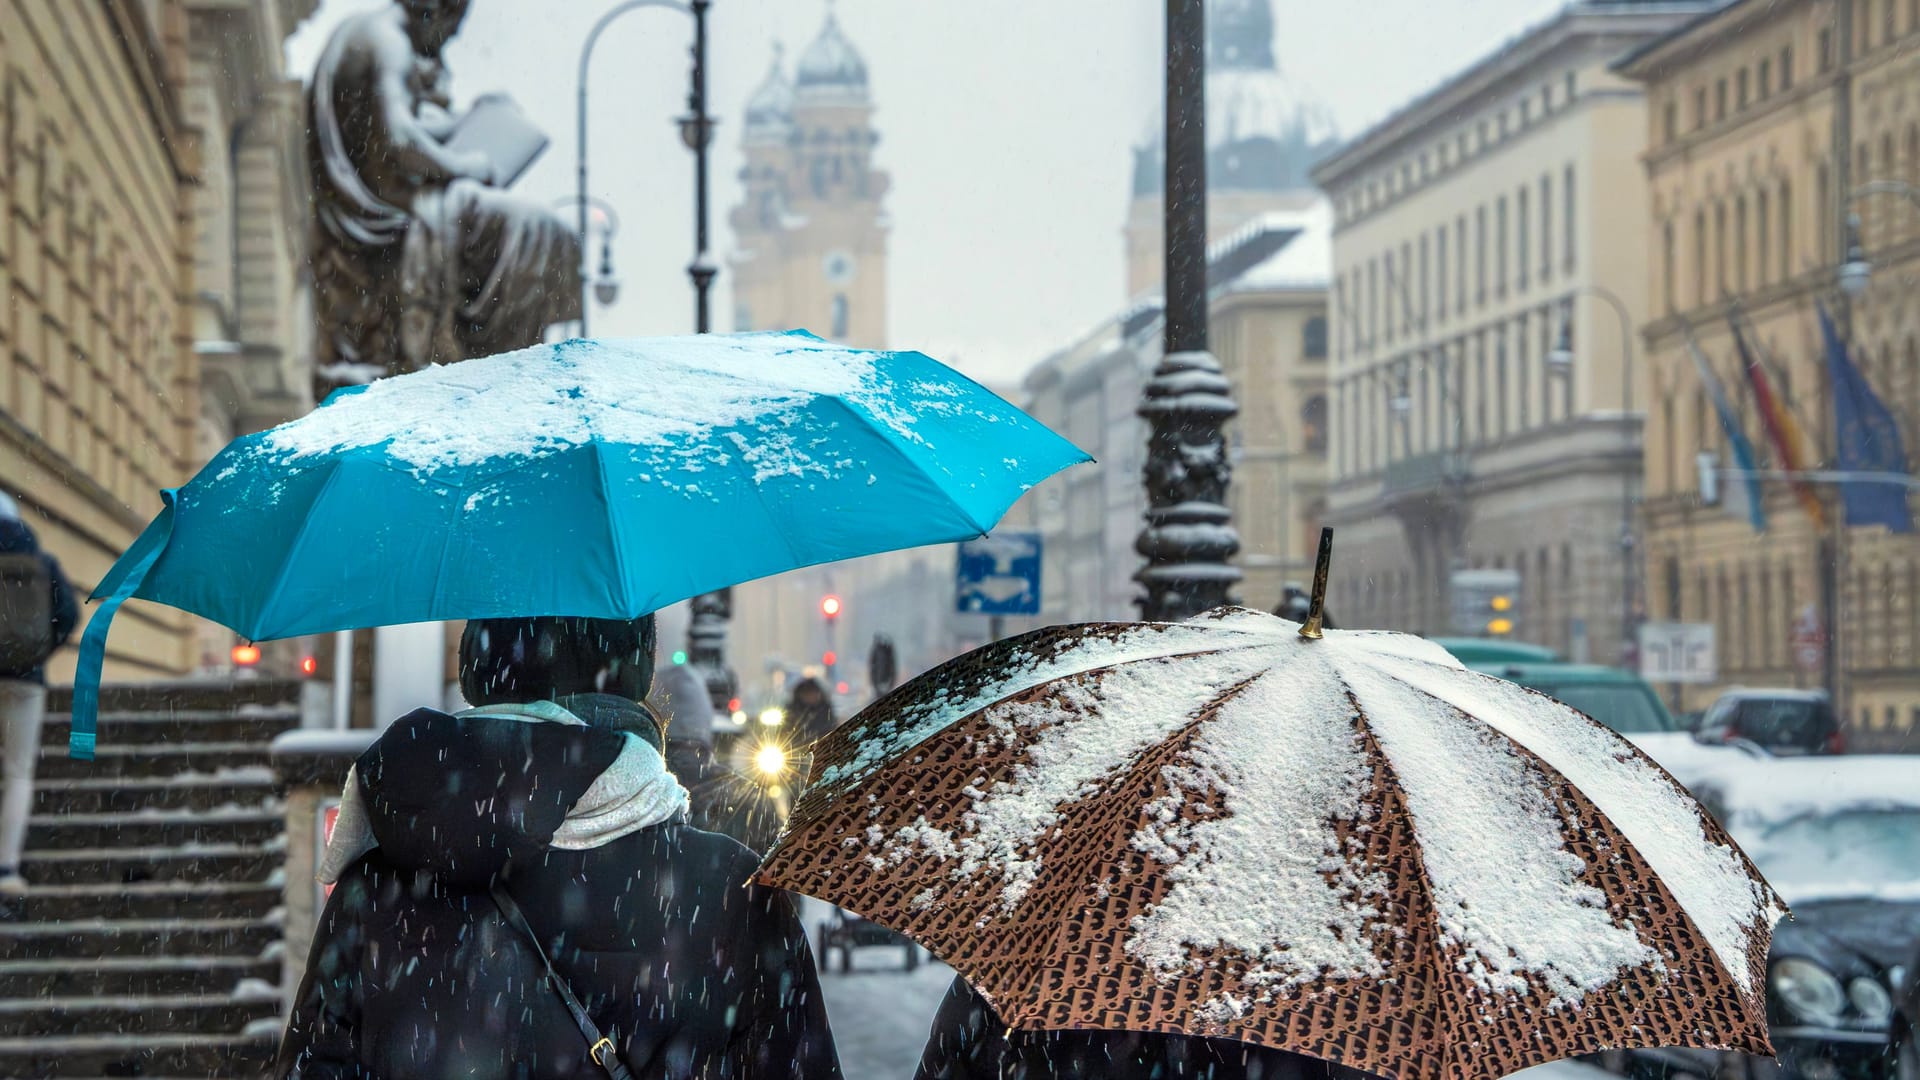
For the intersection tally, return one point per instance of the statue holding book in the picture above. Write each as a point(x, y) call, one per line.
point(419, 254)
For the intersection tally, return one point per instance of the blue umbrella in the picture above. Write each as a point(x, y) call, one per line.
point(590, 478)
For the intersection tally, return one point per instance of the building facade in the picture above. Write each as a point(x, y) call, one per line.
point(99, 380)
point(1762, 118)
point(1472, 229)
point(252, 320)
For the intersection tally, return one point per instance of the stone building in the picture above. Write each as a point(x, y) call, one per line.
point(252, 321)
point(1762, 117)
point(99, 380)
point(1471, 227)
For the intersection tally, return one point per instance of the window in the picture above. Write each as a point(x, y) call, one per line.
point(1786, 230)
point(1887, 29)
point(1460, 263)
point(1373, 301)
point(1440, 270)
point(1426, 283)
point(1521, 369)
point(1480, 387)
point(1699, 257)
point(1823, 241)
point(1522, 252)
point(1762, 249)
point(1500, 379)
point(1720, 100)
point(1480, 255)
point(1699, 108)
point(1570, 86)
point(1670, 121)
point(1720, 247)
point(1403, 284)
point(1765, 79)
point(1740, 88)
point(1740, 243)
point(839, 316)
point(1500, 246)
point(1786, 68)
point(1313, 419)
point(1546, 228)
point(1666, 266)
point(1313, 338)
point(1825, 59)
point(1566, 212)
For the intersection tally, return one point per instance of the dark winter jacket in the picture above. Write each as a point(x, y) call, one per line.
point(414, 973)
point(17, 539)
point(724, 801)
point(809, 712)
point(969, 1042)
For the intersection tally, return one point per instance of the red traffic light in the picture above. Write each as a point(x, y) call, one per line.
point(841, 688)
point(308, 665)
point(829, 657)
point(733, 705)
point(830, 605)
point(246, 655)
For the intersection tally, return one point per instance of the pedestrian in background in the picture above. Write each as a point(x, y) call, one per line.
point(809, 711)
point(37, 615)
point(517, 892)
point(722, 801)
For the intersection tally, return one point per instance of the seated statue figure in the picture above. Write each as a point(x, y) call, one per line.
point(418, 255)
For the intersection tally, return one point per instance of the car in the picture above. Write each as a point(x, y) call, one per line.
point(1784, 722)
point(1906, 1020)
point(1482, 653)
point(1839, 839)
point(1619, 699)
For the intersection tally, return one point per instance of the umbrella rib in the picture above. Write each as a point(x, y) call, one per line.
point(253, 633)
point(613, 524)
point(893, 448)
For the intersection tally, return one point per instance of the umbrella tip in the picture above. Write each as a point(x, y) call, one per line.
point(1316, 605)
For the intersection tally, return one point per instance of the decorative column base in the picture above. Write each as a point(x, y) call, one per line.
point(707, 647)
point(1189, 536)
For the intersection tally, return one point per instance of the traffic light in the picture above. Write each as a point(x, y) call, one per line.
point(246, 655)
point(1486, 602)
point(679, 657)
point(830, 658)
point(308, 665)
point(830, 606)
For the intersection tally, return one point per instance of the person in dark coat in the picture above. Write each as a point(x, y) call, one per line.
point(32, 587)
point(809, 712)
point(554, 791)
point(723, 801)
point(969, 1041)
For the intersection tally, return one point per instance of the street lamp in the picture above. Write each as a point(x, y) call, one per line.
point(1560, 364)
point(1856, 273)
point(606, 286)
point(696, 132)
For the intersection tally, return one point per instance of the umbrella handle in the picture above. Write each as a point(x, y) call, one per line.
point(139, 558)
point(1316, 605)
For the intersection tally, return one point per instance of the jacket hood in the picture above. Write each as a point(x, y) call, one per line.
point(462, 795)
point(687, 702)
point(16, 538)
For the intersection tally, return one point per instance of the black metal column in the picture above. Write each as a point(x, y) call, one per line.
point(1188, 536)
point(703, 269)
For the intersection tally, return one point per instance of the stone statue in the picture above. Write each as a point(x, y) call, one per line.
point(418, 255)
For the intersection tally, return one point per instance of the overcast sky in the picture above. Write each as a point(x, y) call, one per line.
point(1006, 126)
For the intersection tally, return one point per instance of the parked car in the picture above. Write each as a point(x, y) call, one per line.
point(1839, 838)
point(1783, 722)
point(1906, 1019)
point(1481, 654)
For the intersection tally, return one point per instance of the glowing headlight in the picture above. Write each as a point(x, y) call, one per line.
point(1871, 1001)
point(739, 717)
point(773, 717)
point(770, 759)
point(1808, 989)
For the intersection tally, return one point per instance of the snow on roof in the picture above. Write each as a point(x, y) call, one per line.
point(1306, 262)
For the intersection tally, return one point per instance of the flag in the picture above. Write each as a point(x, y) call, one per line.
point(1868, 440)
point(1742, 490)
point(1782, 432)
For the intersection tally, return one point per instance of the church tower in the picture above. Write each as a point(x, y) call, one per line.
point(810, 235)
point(1263, 135)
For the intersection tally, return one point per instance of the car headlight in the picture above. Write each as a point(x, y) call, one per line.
point(1808, 989)
point(1871, 1001)
point(770, 759)
point(772, 717)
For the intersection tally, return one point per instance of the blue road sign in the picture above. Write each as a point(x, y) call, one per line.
point(999, 574)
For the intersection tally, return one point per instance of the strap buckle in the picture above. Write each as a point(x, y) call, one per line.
point(595, 1050)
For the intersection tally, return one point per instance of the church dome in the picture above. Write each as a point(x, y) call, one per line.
point(831, 62)
point(770, 109)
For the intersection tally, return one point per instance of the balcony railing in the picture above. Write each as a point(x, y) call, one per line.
point(1425, 474)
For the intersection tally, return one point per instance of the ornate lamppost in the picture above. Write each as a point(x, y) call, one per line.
point(1189, 535)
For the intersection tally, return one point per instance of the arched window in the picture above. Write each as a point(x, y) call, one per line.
point(839, 316)
point(1313, 423)
point(1313, 338)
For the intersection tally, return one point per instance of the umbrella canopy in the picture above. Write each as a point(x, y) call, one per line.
point(587, 478)
point(1345, 845)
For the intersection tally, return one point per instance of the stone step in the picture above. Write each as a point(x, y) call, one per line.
point(138, 1055)
point(182, 695)
point(148, 900)
point(158, 759)
point(85, 940)
point(160, 829)
point(247, 786)
point(175, 1015)
point(121, 976)
point(117, 729)
point(127, 865)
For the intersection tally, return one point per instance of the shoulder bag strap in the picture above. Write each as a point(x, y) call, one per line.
point(599, 1047)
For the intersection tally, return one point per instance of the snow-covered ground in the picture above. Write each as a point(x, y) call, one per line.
point(881, 1015)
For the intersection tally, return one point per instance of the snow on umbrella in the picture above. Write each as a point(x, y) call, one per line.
point(1346, 846)
point(588, 478)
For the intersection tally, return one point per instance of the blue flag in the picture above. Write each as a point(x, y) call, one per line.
point(1741, 495)
point(1867, 440)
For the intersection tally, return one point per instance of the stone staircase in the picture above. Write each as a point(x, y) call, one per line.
point(150, 944)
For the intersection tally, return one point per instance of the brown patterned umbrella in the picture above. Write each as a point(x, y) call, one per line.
point(1346, 846)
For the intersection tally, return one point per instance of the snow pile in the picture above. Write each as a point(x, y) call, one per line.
point(668, 393)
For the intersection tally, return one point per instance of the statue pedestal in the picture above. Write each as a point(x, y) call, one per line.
point(409, 670)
